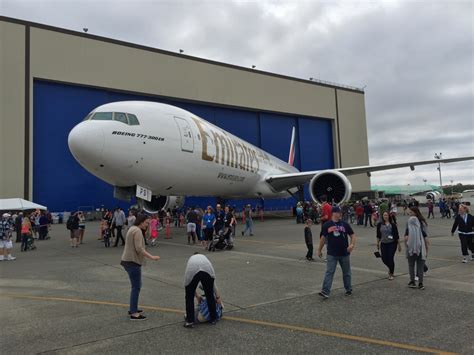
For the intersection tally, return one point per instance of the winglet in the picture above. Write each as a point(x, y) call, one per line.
point(291, 157)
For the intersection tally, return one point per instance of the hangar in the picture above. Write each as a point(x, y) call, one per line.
point(53, 77)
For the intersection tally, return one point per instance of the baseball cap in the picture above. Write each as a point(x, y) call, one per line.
point(336, 209)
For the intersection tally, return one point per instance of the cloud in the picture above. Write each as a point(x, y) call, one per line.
point(415, 58)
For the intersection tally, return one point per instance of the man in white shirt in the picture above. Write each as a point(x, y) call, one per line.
point(199, 270)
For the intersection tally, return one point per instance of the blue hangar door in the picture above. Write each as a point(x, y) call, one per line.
point(60, 183)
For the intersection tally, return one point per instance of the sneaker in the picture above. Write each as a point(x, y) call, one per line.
point(390, 277)
point(11, 258)
point(412, 284)
point(138, 311)
point(323, 295)
point(420, 286)
point(188, 325)
point(139, 317)
point(349, 293)
point(464, 260)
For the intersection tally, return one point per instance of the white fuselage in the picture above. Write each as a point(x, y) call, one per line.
point(172, 152)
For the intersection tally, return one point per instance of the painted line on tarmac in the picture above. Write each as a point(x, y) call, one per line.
point(284, 326)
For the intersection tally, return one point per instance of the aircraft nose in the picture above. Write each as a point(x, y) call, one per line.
point(86, 143)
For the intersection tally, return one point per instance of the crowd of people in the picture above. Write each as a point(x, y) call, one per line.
point(339, 238)
point(218, 225)
point(28, 227)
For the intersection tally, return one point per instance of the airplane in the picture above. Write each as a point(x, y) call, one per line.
point(161, 153)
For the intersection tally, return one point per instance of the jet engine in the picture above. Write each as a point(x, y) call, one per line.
point(332, 184)
point(158, 203)
point(433, 195)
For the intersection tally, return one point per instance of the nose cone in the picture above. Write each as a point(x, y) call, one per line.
point(86, 143)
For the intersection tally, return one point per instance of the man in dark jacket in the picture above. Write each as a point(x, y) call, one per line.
point(368, 213)
point(18, 221)
point(464, 223)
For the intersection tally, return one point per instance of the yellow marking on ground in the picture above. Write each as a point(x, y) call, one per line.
point(321, 332)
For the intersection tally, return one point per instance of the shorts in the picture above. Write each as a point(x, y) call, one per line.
point(191, 228)
point(7, 244)
point(74, 233)
point(82, 227)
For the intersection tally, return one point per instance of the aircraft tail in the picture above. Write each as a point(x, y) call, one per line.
point(291, 157)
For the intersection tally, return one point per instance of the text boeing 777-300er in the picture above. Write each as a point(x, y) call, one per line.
point(161, 153)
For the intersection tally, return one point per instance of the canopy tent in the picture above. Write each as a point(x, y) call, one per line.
point(18, 204)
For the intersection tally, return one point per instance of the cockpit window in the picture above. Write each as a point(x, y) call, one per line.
point(102, 116)
point(88, 117)
point(133, 120)
point(126, 118)
point(121, 117)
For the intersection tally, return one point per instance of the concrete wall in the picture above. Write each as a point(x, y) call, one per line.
point(75, 59)
point(12, 109)
point(84, 59)
point(353, 135)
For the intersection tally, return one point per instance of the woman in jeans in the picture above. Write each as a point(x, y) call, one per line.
point(132, 260)
point(388, 242)
point(416, 242)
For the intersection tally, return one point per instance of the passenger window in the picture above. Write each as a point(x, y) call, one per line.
point(102, 116)
point(133, 120)
point(121, 117)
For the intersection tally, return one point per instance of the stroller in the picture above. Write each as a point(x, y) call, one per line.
point(222, 241)
point(30, 244)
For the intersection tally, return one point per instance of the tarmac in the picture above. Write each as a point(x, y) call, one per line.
point(57, 299)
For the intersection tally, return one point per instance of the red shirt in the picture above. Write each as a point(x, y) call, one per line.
point(359, 210)
point(326, 212)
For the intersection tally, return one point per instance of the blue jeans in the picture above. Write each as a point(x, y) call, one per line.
point(248, 226)
point(135, 275)
point(345, 263)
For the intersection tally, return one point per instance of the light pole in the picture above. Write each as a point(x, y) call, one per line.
point(452, 188)
point(439, 156)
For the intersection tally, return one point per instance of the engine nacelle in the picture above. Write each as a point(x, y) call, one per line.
point(332, 184)
point(158, 203)
point(433, 195)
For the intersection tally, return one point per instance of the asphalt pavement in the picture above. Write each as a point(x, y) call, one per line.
point(58, 299)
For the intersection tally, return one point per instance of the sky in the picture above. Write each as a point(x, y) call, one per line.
point(414, 59)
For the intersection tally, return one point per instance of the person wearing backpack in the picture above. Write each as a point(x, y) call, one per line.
point(72, 225)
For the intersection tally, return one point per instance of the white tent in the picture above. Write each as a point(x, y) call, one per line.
point(18, 204)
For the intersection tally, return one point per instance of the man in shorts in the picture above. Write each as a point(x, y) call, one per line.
point(6, 245)
point(192, 219)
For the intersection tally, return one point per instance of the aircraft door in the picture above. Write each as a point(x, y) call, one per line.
point(187, 139)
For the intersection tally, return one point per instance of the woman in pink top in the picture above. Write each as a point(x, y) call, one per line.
point(153, 229)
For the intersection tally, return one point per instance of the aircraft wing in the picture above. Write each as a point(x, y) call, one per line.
point(286, 181)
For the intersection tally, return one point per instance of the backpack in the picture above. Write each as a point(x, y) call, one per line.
point(70, 223)
point(3, 229)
